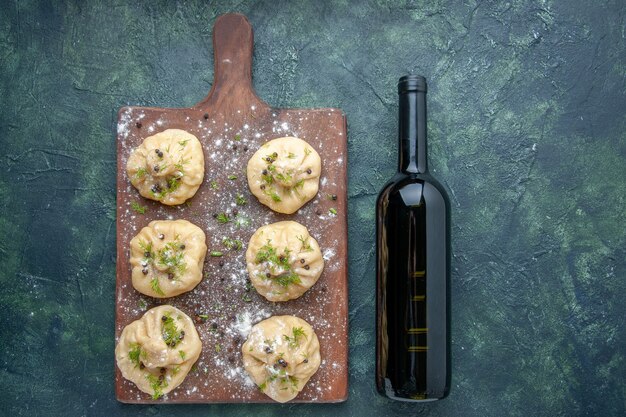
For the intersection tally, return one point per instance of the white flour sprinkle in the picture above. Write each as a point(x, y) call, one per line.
point(224, 299)
point(245, 321)
point(123, 124)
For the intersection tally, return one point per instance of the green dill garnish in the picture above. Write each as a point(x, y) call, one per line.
point(147, 249)
point(203, 316)
point(297, 333)
point(222, 218)
point(294, 339)
point(284, 379)
point(277, 264)
point(218, 348)
point(306, 246)
point(291, 155)
point(266, 253)
point(176, 369)
point(242, 221)
point(141, 172)
point(156, 287)
point(142, 304)
point(214, 185)
point(182, 143)
point(232, 177)
point(237, 137)
point(297, 187)
point(307, 151)
point(288, 278)
point(172, 184)
point(275, 197)
point(135, 353)
point(171, 335)
point(232, 244)
point(157, 386)
point(267, 178)
point(182, 354)
point(138, 208)
point(332, 211)
point(172, 257)
point(246, 298)
point(216, 253)
point(292, 380)
point(157, 192)
point(240, 200)
point(283, 177)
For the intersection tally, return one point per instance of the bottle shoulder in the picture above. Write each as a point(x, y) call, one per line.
point(401, 180)
point(401, 184)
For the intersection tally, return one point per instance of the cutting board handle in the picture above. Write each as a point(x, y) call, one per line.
point(233, 43)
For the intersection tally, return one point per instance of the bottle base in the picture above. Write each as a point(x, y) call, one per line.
point(422, 397)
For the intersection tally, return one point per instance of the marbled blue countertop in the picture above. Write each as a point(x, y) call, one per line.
point(527, 130)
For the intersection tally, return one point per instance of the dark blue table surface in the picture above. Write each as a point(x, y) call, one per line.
point(526, 131)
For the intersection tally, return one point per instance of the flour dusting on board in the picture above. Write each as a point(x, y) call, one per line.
point(225, 306)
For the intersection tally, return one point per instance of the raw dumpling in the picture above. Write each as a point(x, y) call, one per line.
point(167, 258)
point(284, 174)
point(167, 167)
point(157, 351)
point(280, 355)
point(283, 260)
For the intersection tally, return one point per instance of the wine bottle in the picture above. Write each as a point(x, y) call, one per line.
point(413, 266)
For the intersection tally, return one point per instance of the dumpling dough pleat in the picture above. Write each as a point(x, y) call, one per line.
point(284, 174)
point(167, 257)
point(157, 351)
point(167, 167)
point(283, 260)
point(280, 355)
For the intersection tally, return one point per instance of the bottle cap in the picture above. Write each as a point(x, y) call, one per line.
point(411, 83)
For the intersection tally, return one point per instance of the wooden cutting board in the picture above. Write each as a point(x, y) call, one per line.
point(231, 123)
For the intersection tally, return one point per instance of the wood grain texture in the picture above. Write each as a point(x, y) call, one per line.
point(231, 123)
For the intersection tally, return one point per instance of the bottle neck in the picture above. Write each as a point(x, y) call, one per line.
point(412, 133)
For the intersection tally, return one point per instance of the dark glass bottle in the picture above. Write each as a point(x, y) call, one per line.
point(413, 266)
